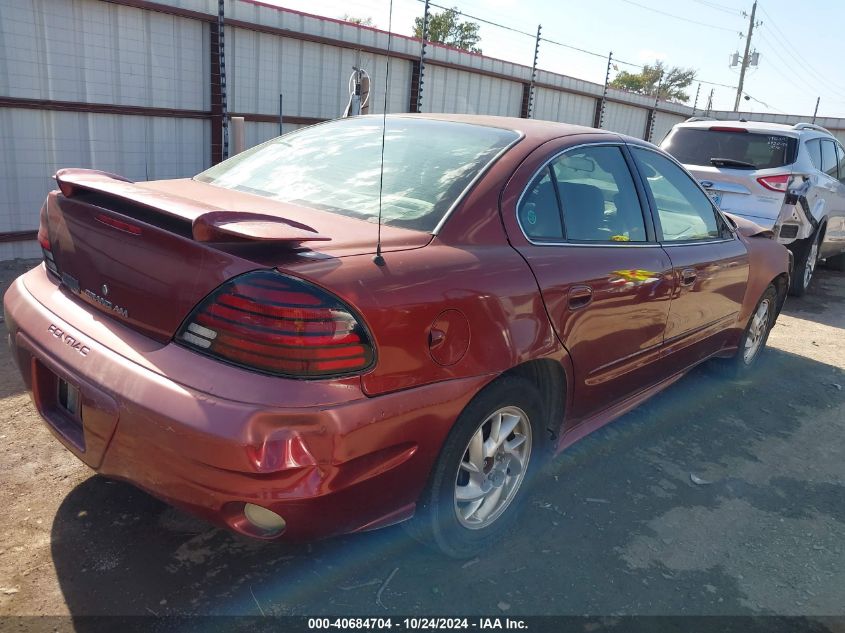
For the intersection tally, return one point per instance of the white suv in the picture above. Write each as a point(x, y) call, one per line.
point(790, 179)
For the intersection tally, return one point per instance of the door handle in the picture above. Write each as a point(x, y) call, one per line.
point(688, 276)
point(580, 296)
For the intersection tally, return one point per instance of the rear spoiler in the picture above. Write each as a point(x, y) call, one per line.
point(208, 223)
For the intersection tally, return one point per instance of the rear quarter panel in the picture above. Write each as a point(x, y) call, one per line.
point(767, 260)
point(469, 268)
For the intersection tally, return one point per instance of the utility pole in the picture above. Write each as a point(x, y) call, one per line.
point(709, 102)
point(746, 60)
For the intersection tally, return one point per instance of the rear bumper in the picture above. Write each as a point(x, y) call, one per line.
point(766, 223)
point(333, 461)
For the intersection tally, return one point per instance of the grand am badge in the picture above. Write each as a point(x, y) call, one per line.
point(93, 296)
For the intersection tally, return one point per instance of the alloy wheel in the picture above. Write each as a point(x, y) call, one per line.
point(756, 332)
point(492, 468)
point(812, 258)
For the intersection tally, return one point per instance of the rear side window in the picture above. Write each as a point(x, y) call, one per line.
point(829, 160)
point(814, 147)
point(585, 195)
point(539, 213)
point(737, 149)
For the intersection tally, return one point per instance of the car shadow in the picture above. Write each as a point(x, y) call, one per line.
point(118, 551)
point(11, 383)
point(823, 301)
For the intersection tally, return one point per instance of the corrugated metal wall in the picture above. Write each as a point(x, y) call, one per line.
point(663, 123)
point(126, 86)
point(449, 90)
point(93, 52)
point(36, 143)
point(256, 132)
point(312, 77)
point(97, 52)
point(555, 105)
point(625, 119)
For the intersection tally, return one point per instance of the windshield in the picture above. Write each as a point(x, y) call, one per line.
point(749, 150)
point(336, 167)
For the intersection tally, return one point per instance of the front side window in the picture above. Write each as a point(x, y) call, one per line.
point(841, 153)
point(337, 167)
point(684, 210)
point(585, 195)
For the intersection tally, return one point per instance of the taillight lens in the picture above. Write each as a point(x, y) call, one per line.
point(44, 242)
point(277, 324)
point(775, 183)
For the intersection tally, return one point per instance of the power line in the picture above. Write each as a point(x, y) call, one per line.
point(531, 35)
point(713, 83)
point(476, 18)
point(678, 17)
point(561, 44)
point(718, 7)
point(796, 72)
point(796, 54)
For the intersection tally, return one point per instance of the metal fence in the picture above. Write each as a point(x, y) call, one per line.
point(136, 87)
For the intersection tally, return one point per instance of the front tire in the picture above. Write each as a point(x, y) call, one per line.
point(806, 258)
point(755, 335)
point(480, 478)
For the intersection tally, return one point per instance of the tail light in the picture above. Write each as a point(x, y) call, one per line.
point(775, 183)
point(273, 323)
point(44, 242)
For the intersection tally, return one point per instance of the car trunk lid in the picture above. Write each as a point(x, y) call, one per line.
point(146, 253)
point(740, 191)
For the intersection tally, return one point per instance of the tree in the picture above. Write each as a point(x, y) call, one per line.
point(674, 81)
point(447, 28)
point(359, 21)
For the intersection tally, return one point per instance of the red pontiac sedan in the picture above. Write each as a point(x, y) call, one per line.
point(296, 344)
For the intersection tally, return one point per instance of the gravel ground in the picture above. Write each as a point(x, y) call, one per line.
point(620, 528)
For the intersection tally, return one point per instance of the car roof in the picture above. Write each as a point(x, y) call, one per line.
point(756, 126)
point(527, 127)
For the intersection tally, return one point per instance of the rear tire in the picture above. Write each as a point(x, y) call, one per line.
point(806, 258)
point(755, 336)
point(481, 477)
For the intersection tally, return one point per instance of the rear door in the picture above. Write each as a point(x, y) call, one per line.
point(710, 264)
point(576, 216)
point(832, 183)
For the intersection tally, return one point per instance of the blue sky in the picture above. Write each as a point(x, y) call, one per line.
point(799, 47)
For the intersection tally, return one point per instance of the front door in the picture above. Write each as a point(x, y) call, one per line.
point(577, 216)
point(709, 261)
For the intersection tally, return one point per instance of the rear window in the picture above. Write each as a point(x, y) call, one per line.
point(336, 167)
point(694, 146)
